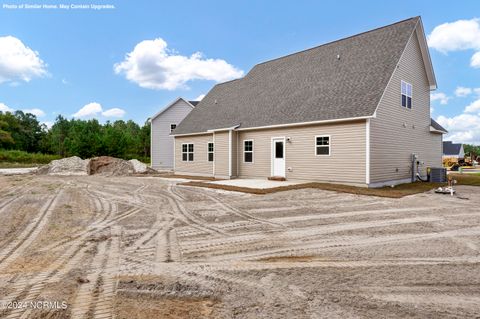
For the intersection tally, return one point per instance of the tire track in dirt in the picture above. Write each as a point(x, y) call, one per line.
point(30, 233)
point(183, 214)
point(241, 246)
point(305, 249)
point(93, 228)
point(235, 211)
point(85, 293)
point(30, 289)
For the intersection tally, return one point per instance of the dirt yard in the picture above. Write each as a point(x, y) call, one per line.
point(144, 247)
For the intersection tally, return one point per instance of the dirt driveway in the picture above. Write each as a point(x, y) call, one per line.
point(141, 247)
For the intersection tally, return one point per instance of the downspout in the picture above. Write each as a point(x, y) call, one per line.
point(214, 153)
point(229, 153)
point(367, 152)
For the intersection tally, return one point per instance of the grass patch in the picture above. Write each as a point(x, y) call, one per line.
point(467, 179)
point(23, 158)
point(18, 165)
point(395, 192)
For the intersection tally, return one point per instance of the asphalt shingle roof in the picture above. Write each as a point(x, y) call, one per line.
point(450, 148)
point(437, 126)
point(310, 85)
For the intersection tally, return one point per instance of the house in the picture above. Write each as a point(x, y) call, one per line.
point(352, 111)
point(452, 150)
point(163, 124)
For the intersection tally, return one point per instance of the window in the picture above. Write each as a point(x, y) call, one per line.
point(406, 95)
point(278, 149)
point(248, 151)
point(322, 145)
point(187, 152)
point(210, 150)
point(172, 127)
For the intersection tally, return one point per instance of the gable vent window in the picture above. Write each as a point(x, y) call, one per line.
point(210, 152)
point(406, 95)
point(187, 152)
point(322, 145)
point(172, 127)
point(248, 151)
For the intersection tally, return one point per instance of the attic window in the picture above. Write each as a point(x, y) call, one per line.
point(406, 95)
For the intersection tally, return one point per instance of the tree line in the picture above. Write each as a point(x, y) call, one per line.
point(84, 138)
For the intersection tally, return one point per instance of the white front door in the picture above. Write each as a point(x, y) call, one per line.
point(278, 157)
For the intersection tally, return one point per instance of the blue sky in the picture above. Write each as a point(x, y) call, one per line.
point(77, 57)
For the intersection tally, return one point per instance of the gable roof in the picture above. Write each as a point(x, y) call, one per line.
point(437, 127)
point(172, 104)
point(194, 103)
point(450, 148)
point(343, 79)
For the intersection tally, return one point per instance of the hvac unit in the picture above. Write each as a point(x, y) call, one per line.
point(438, 175)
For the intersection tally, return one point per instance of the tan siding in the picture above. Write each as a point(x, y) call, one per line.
point(221, 154)
point(346, 164)
point(391, 143)
point(200, 164)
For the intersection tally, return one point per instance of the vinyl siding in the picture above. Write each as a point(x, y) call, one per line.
point(161, 141)
point(397, 132)
point(346, 163)
point(200, 164)
point(221, 154)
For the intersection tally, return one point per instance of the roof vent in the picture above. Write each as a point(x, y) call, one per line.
point(338, 56)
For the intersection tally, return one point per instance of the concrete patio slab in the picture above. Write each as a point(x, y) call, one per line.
point(254, 183)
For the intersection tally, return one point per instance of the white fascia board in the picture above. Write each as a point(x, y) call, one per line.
point(434, 130)
point(223, 129)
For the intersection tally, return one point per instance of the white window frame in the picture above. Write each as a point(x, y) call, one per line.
point(407, 84)
point(188, 152)
point(208, 151)
point(252, 151)
point(171, 130)
point(329, 146)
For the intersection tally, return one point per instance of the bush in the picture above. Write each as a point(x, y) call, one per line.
point(13, 156)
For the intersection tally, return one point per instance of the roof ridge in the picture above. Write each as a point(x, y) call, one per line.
point(334, 41)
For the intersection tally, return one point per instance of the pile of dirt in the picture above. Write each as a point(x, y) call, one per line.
point(110, 166)
point(138, 166)
point(104, 165)
point(66, 166)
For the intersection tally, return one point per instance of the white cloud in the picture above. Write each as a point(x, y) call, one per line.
point(151, 65)
point(5, 108)
point(432, 109)
point(114, 112)
point(95, 109)
point(91, 109)
point(200, 97)
point(473, 107)
point(457, 36)
point(463, 128)
point(49, 124)
point(18, 62)
point(454, 36)
point(36, 112)
point(463, 91)
point(475, 60)
point(439, 96)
